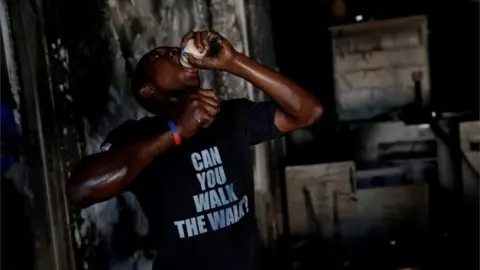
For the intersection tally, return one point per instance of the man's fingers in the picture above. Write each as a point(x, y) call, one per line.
point(209, 98)
point(208, 121)
point(210, 107)
point(204, 101)
point(198, 42)
point(203, 117)
point(186, 38)
point(194, 61)
point(205, 40)
point(214, 36)
point(201, 39)
point(209, 93)
point(212, 102)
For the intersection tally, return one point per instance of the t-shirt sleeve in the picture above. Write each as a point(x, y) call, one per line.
point(119, 137)
point(256, 120)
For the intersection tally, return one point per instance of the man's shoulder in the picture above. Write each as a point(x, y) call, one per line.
point(231, 103)
point(233, 106)
point(231, 109)
point(243, 107)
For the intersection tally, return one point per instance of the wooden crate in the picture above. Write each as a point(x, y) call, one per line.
point(323, 199)
point(319, 197)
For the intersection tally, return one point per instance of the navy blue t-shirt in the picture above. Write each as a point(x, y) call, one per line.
point(199, 196)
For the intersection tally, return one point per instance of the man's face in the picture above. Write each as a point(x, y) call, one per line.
point(167, 75)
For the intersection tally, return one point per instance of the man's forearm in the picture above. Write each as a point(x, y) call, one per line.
point(293, 100)
point(105, 175)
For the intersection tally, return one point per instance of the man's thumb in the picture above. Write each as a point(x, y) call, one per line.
point(194, 61)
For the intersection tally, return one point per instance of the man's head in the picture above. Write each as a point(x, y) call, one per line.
point(159, 78)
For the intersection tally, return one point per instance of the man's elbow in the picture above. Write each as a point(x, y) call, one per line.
point(74, 195)
point(71, 192)
point(316, 113)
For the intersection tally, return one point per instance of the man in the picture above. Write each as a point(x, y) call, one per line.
point(190, 165)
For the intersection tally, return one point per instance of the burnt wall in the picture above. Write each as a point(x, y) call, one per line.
point(71, 62)
point(101, 42)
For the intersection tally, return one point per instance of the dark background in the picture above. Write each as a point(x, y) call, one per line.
point(302, 47)
point(453, 42)
point(303, 53)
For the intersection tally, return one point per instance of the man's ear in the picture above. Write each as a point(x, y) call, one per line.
point(147, 91)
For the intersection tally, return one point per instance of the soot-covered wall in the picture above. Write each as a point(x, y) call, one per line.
point(104, 40)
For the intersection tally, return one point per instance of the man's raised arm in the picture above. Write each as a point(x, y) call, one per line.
point(102, 176)
point(297, 107)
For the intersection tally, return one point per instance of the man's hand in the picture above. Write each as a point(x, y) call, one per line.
point(220, 53)
point(200, 111)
